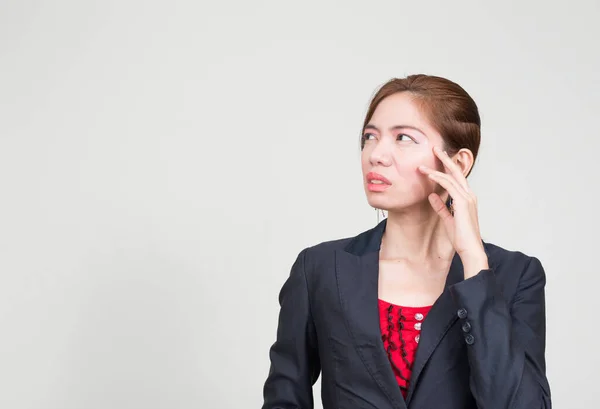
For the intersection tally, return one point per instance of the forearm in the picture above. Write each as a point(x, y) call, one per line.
point(505, 355)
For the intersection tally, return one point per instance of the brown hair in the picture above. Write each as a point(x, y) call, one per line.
point(449, 108)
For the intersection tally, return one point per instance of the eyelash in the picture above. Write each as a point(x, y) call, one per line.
point(365, 137)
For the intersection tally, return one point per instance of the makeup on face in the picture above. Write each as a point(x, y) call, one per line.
point(377, 182)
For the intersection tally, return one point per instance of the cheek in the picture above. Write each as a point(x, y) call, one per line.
point(416, 183)
point(410, 163)
point(406, 168)
point(364, 160)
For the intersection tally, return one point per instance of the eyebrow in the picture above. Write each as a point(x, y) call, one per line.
point(395, 128)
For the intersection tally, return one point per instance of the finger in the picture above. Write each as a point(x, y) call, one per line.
point(440, 208)
point(452, 167)
point(446, 181)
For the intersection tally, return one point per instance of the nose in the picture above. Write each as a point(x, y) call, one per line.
point(381, 154)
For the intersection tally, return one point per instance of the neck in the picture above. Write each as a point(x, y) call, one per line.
point(416, 234)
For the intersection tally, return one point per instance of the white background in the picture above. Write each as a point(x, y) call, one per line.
point(163, 163)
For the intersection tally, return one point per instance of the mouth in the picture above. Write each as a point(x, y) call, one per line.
point(377, 182)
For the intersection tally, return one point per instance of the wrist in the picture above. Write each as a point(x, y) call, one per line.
point(474, 263)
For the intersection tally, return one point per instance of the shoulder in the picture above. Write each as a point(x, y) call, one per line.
point(329, 246)
point(321, 256)
point(363, 241)
point(514, 265)
point(500, 256)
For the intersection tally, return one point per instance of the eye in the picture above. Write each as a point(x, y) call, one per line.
point(404, 137)
point(368, 136)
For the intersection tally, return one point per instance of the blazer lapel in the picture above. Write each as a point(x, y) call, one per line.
point(438, 321)
point(441, 317)
point(357, 273)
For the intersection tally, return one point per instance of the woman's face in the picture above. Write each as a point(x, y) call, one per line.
point(397, 140)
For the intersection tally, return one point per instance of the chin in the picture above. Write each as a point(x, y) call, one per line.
point(380, 201)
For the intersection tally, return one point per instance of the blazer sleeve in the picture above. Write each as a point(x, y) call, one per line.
point(506, 341)
point(295, 365)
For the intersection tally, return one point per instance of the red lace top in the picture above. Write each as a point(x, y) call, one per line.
point(400, 331)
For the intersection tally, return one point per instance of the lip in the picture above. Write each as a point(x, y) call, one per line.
point(377, 187)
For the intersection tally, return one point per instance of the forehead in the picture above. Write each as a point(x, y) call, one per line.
point(401, 109)
point(398, 107)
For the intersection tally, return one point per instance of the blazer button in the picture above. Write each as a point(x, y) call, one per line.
point(470, 339)
point(466, 326)
point(462, 313)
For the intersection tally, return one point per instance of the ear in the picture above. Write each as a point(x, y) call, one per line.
point(464, 159)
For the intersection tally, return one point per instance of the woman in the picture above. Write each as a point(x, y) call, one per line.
point(417, 312)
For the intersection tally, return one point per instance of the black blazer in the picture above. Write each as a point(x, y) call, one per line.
point(482, 344)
